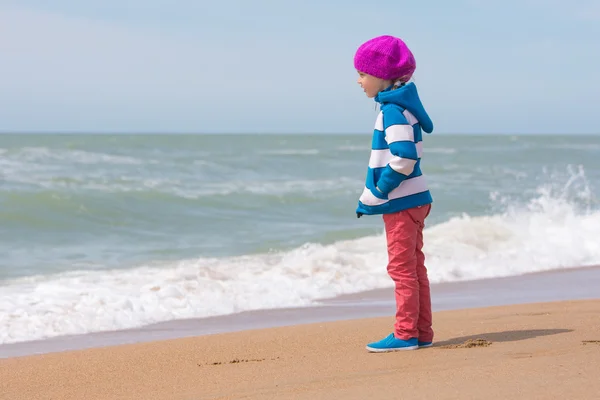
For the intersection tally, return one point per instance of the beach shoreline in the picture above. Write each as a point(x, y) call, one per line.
point(548, 286)
point(533, 351)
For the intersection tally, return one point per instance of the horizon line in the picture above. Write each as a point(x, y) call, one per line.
point(180, 133)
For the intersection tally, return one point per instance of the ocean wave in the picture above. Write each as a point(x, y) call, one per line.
point(575, 146)
point(303, 187)
point(557, 228)
point(291, 152)
point(179, 188)
point(364, 149)
point(440, 150)
point(38, 154)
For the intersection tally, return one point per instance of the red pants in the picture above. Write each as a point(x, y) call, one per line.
point(406, 266)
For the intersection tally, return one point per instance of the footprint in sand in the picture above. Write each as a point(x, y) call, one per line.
point(584, 342)
point(468, 344)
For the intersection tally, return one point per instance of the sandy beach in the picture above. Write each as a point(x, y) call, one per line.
point(533, 351)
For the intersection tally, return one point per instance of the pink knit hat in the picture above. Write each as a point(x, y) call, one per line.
point(385, 57)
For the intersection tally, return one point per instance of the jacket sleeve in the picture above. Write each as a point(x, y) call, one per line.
point(400, 137)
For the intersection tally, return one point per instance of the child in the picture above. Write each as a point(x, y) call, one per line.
point(395, 185)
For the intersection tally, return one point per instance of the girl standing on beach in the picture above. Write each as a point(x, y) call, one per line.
point(395, 185)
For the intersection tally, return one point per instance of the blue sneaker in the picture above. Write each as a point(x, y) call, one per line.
point(390, 343)
point(425, 344)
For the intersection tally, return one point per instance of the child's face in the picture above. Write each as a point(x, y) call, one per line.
point(371, 85)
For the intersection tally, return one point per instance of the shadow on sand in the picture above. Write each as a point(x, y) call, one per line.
point(507, 336)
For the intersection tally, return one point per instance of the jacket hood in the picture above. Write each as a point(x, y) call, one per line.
point(407, 97)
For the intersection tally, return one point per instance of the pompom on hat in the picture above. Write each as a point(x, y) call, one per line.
point(385, 57)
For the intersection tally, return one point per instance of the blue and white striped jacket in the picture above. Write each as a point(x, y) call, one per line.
point(394, 178)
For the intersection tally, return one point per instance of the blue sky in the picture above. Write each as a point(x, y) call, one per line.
point(513, 66)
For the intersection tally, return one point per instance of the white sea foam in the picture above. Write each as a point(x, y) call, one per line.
point(364, 149)
point(575, 146)
point(555, 229)
point(440, 150)
point(291, 152)
point(176, 187)
point(74, 156)
point(305, 187)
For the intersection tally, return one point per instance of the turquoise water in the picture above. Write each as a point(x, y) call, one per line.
point(113, 231)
